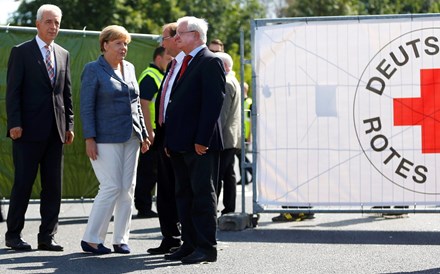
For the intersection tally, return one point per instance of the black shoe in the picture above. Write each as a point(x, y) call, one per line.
point(100, 250)
point(18, 244)
point(146, 214)
point(179, 254)
point(50, 246)
point(174, 249)
point(122, 248)
point(164, 248)
point(200, 256)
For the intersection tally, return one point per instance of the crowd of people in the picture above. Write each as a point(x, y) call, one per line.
point(176, 128)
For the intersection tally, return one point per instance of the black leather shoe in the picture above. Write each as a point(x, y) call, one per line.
point(179, 254)
point(164, 248)
point(50, 246)
point(199, 256)
point(174, 249)
point(18, 244)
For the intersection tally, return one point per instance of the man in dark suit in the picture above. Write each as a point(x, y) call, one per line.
point(40, 121)
point(166, 201)
point(193, 140)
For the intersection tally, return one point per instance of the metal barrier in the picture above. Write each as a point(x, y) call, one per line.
point(376, 162)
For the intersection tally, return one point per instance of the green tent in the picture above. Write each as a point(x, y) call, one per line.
point(79, 179)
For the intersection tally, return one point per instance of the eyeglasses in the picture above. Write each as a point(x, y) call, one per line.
point(179, 33)
point(162, 39)
point(167, 37)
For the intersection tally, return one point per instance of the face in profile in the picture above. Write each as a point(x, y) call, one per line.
point(169, 43)
point(185, 38)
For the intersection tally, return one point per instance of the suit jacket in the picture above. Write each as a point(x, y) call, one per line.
point(230, 115)
point(31, 101)
point(192, 115)
point(110, 107)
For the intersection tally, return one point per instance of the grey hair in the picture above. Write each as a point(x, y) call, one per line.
point(226, 58)
point(197, 24)
point(48, 7)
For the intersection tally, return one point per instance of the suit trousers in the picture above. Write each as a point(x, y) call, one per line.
point(115, 170)
point(166, 199)
point(227, 180)
point(28, 157)
point(196, 177)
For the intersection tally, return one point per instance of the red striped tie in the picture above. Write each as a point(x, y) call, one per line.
point(164, 91)
point(49, 65)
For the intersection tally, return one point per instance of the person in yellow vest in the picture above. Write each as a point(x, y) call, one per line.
point(247, 110)
point(149, 83)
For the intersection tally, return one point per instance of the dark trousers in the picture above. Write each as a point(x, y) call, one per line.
point(247, 176)
point(146, 179)
point(166, 199)
point(227, 180)
point(196, 177)
point(28, 157)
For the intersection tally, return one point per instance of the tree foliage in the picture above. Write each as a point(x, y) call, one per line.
point(301, 8)
point(225, 17)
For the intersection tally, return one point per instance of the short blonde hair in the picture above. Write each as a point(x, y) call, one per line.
point(172, 27)
point(111, 33)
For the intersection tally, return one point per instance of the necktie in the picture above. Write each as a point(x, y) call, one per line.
point(164, 91)
point(49, 65)
point(184, 65)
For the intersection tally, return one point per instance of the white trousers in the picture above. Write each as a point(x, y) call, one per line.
point(115, 169)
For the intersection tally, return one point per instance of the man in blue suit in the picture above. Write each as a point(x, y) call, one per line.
point(40, 120)
point(193, 140)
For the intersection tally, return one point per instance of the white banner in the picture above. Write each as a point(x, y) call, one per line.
point(348, 112)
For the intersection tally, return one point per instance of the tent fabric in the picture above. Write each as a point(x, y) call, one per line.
point(79, 180)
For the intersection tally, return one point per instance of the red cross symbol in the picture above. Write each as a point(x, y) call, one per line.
point(423, 111)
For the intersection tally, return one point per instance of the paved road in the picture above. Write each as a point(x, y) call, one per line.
point(330, 243)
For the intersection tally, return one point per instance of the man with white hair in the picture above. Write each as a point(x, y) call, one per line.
point(40, 122)
point(231, 130)
point(193, 140)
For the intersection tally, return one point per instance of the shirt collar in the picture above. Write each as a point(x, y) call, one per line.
point(196, 50)
point(41, 43)
point(179, 57)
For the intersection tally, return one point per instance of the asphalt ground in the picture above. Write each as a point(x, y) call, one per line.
point(329, 243)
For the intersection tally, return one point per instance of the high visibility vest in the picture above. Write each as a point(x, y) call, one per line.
point(247, 117)
point(157, 77)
